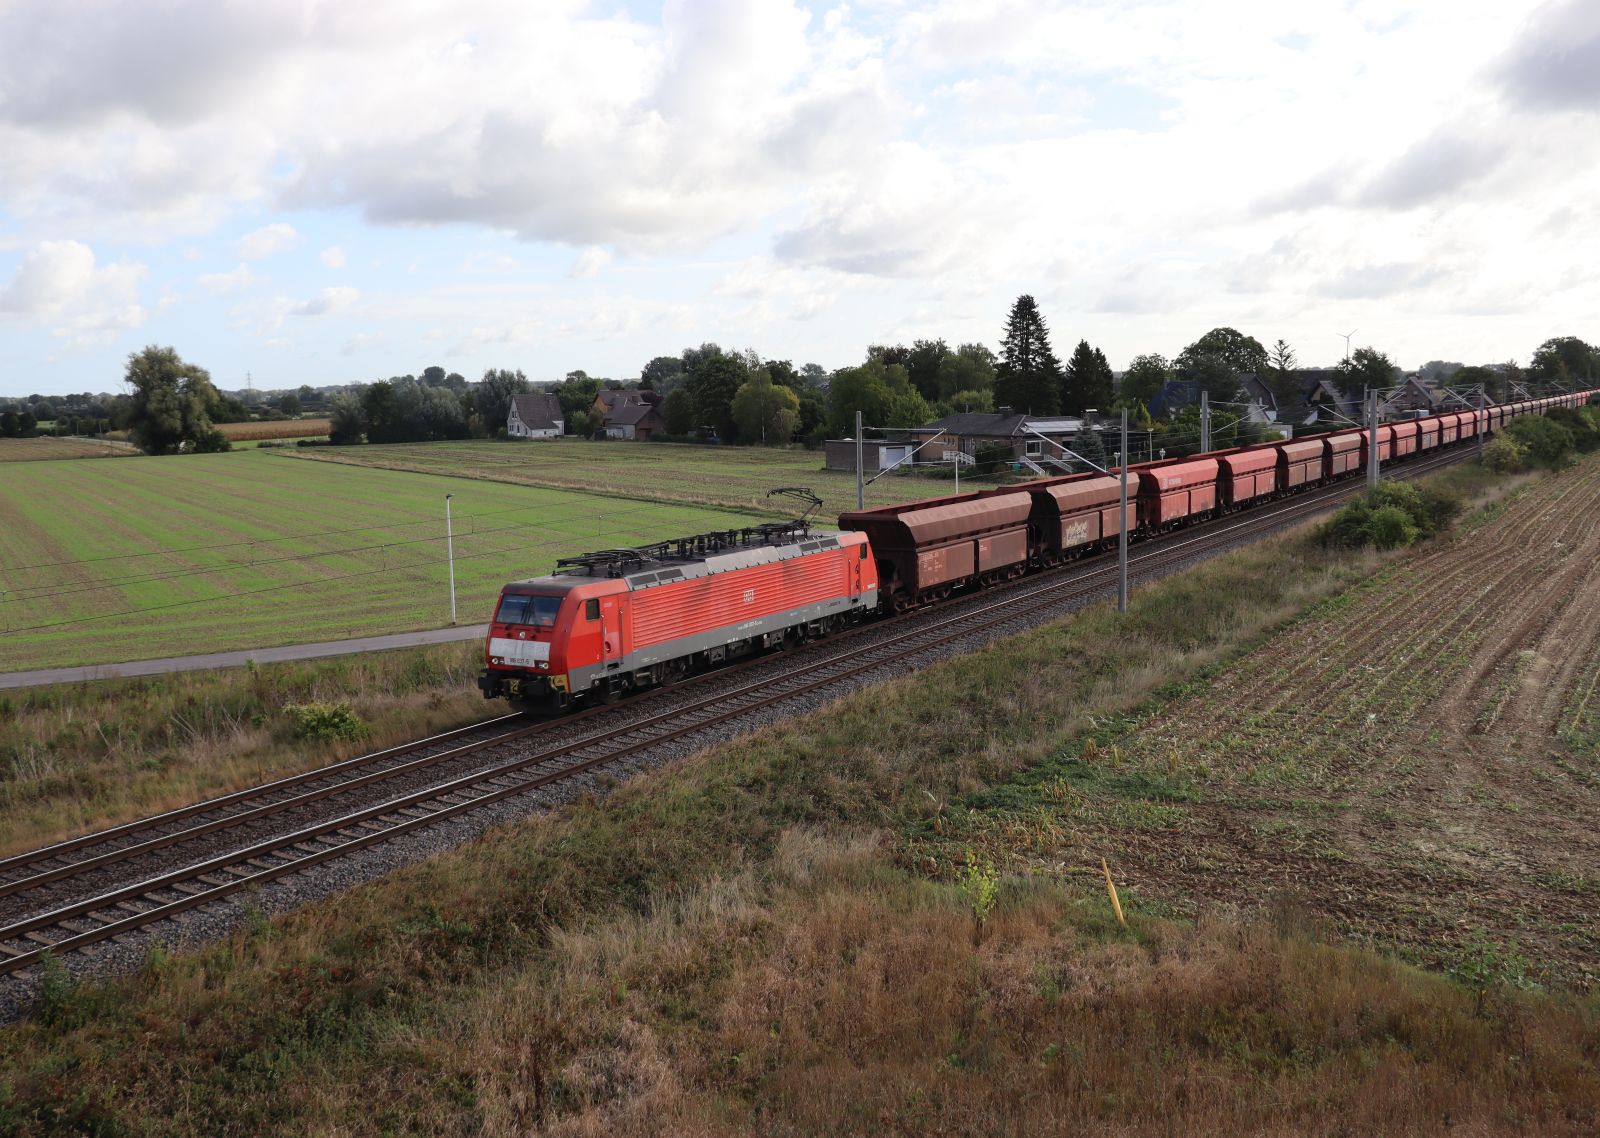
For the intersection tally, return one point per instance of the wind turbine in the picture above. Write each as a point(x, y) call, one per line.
point(1347, 336)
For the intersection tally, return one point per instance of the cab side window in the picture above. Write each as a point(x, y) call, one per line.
point(591, 609)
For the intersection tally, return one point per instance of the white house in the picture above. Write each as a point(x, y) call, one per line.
point(535, 417)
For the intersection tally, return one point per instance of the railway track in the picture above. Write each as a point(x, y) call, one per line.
point(91, 888)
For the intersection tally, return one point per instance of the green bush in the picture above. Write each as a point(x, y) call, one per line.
point(1394, 515)
point(1390, 527)
point(325, 720)
point(1583, 424)
point(1548, 443)
point(1505, 455)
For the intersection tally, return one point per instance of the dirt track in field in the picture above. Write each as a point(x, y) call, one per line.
point(1418, 764)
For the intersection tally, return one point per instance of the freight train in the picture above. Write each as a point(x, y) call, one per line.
point(618, 620)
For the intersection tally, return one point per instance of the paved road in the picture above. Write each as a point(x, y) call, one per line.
point(238, 659)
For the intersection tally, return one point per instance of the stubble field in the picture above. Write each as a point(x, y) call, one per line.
point(1415, 764)
point(101, 562)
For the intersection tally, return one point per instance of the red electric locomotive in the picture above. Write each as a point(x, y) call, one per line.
point(609, 622)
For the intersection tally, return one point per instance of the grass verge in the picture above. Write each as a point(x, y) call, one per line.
point(80, 756)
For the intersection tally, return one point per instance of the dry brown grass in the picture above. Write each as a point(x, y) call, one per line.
point(278, 429)
point(825, 996)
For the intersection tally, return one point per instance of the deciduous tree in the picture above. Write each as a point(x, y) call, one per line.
point(1365, 370)
point(757, 406)
point(347, 423)
point(881, 392)
point(1564, 359)
point(171, 403)
point(1218, 360)
point(971, 367)
point(712, 385)
point(923, 366)
point(661, 374)
point(1492, 379)
point(1144, 379)
point(491, 399)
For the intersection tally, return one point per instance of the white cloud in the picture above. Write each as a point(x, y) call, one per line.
point(53, 275)
point(487, 262)
point(327, 300)
point(220, 284)
point(60, 285)
point(267, 240)
point(1146, 168)
point(589, 263)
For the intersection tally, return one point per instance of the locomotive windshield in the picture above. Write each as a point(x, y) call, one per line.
point(520, 608)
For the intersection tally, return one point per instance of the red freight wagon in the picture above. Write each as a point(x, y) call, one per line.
point(1176, 490)
point(1248, 473)
point(1405, 438)
point(1385, 444)
point(1469, 423)
point(924, 549)
point(1299, 463)
point(1341, 453)
point(625, 618)
point(1449, 429)
point(1427, 434)
point(1074, 514)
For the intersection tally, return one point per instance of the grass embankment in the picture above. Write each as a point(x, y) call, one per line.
point(34, 450)
point(201, 553)
point(81, 756)
point(732, 477)
point(772, 937)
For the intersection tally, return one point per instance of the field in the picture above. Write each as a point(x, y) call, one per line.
point(734, 477)
point(275, 429)
point(164, 556)
point(1416, 764)
point(29, 450)
point(890, 918)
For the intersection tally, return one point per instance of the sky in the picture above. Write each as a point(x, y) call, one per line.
point(324, 192)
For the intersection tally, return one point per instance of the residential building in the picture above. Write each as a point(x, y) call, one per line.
point(628, 420)
point(536, 416)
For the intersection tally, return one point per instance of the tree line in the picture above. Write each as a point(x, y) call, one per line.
point(732, 396)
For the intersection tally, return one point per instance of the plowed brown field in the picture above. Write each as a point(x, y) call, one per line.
point(1416, 764)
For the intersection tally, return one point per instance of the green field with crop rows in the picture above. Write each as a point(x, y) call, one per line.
point(148, 557)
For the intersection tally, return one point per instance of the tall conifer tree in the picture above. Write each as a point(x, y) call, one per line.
point(1088, 381)
point(1028, 378)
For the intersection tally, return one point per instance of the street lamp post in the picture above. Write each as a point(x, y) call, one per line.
point(450, 550)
